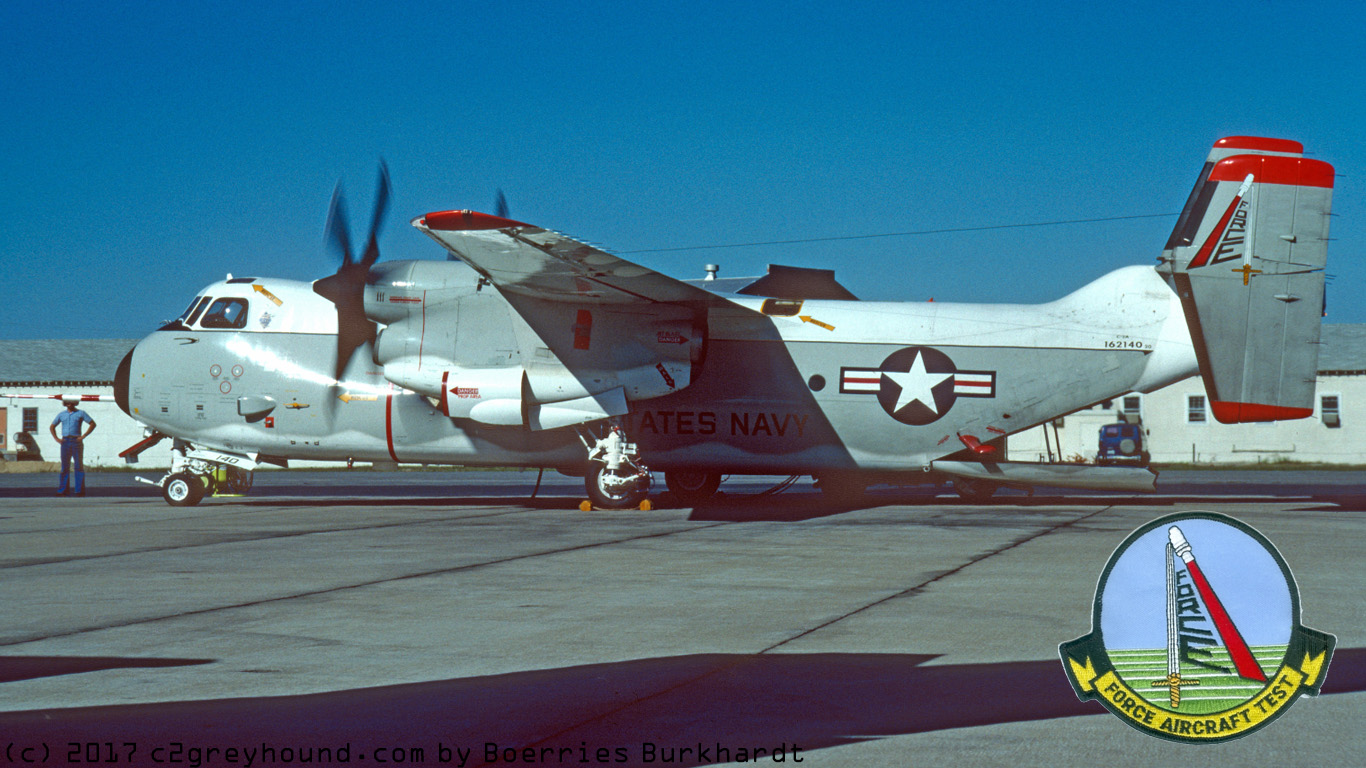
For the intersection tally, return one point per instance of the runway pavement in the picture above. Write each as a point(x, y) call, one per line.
point(419, 617)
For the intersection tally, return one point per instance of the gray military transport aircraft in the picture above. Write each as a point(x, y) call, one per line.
point(552, 353)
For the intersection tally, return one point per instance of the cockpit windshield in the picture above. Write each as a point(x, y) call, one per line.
point(198, 308)
point(193, 304)
point(226, 313)
point(187, 318)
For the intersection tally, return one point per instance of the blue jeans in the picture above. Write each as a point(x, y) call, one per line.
point(72, 451)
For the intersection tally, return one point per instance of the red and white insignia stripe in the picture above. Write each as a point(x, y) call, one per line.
point(980, 383)
point(868, 381)
point(860, 380)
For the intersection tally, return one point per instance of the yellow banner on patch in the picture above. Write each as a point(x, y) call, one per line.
point(1279, 692)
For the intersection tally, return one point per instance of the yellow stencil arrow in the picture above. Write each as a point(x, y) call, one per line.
point(347, 397)
point(814, 321)
point(262, 290)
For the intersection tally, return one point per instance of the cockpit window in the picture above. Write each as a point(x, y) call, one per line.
point(193, 303)
point(226, 313)
point(187, 317)
point(196, 310)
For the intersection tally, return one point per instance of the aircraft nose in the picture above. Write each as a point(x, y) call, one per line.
point(121, 381)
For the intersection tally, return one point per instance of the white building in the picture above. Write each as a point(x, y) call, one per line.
point(67, 366)
point(1181, 429)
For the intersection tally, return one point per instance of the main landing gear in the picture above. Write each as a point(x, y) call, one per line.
point(616, 479)
point(692, 486)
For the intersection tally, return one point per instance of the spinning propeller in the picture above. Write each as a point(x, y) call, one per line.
point(346, 289)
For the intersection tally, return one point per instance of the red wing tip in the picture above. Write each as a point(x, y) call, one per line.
point(1240, 413)
point(454, 221)
point(1261, 144)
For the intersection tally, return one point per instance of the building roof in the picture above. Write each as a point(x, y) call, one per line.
point(95, 360)
point(62, 360)
point(1344, 348)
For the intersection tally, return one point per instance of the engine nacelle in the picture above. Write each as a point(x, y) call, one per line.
point(535, 364)
point(398, 290)
point(457, 390)
point(538, 397)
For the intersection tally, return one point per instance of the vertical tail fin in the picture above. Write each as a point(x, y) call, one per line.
point(1247, 259)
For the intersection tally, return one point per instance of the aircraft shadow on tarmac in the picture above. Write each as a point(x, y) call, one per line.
point(733, 700)
point(29, 667)
point(797, 507)
point(735, 507)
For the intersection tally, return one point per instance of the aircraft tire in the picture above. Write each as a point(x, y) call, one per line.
point(692, 486)
point(974, 490)
point(182, 490)
point(611, 498)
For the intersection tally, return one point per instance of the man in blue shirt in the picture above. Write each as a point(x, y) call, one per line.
point(71, 439)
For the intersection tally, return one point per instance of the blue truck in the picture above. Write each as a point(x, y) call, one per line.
point(1122, 444)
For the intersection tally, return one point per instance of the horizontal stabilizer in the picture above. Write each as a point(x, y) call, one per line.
point(1247, 259)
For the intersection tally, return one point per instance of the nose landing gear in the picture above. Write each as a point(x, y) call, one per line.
point(195, 474)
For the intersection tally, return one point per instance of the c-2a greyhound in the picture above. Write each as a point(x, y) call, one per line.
point(552, 353)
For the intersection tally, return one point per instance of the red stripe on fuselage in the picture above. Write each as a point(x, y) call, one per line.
point(422, 340)
point(389, 426)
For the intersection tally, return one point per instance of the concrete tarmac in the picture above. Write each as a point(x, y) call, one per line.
point(420, 617)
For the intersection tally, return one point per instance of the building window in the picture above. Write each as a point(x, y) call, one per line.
point(30, 420)
point(1328, 411)
point(1195, 409)
point(1131, 408)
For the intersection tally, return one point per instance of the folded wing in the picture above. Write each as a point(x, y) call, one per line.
point(523, 259)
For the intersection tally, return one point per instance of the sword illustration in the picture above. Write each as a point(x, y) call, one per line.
point(1173, 681)
point(1247, 666)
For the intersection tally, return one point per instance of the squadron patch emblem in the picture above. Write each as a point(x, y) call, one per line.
point(1196, 633)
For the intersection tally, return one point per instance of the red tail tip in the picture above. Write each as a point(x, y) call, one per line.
point(1239, 413)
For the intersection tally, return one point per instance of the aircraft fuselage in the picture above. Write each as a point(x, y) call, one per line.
point(781, 387)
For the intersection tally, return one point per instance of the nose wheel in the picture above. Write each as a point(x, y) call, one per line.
point(183, 489)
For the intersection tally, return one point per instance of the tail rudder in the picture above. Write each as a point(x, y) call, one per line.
point(1247, 258)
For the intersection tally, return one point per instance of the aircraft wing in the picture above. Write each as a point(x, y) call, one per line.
point(525, 259)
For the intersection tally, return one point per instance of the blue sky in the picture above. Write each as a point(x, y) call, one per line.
point(148, 150)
